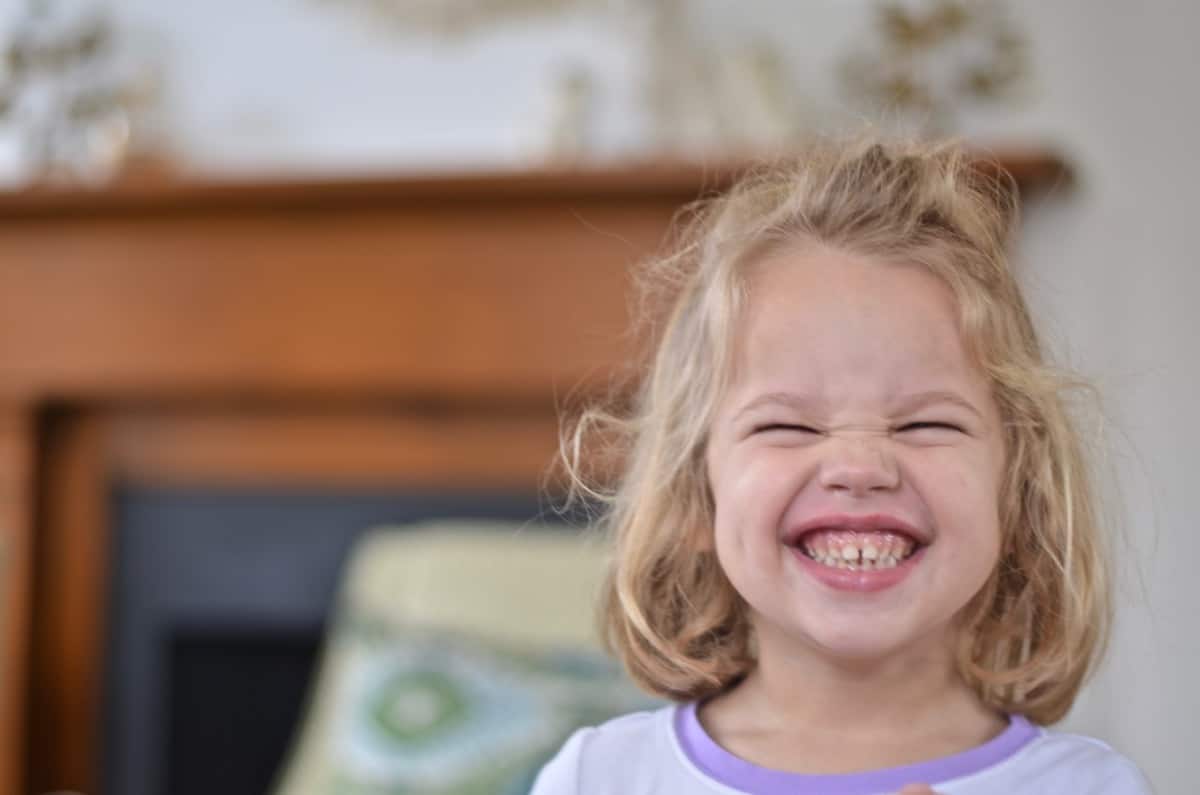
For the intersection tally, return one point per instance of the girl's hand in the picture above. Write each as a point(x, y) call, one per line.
point(917, 789)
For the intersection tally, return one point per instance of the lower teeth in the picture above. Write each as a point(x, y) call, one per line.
point(886, 562)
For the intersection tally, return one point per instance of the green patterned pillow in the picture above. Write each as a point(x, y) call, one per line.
point(445, 714)
point(460, 658)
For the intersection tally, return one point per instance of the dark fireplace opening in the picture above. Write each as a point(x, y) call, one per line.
point(234, 698)
point(217, 607)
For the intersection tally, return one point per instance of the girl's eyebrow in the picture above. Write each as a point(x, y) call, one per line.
point(904, 404)
point(790, 400)
point(919, 400)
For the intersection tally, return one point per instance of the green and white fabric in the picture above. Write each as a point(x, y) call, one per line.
point(460, 658)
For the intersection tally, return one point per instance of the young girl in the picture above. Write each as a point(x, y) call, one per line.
point(854, 535)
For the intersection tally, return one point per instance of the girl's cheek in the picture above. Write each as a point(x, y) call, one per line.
point(767, 481)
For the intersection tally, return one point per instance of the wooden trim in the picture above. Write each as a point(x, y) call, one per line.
point(70, 594)
point(333, 446)
point(657, 180)
point(16, 578)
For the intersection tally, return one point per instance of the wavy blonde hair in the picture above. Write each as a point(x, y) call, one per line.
point(1032, 634)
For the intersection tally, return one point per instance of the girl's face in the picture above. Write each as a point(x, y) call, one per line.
point(855, 462)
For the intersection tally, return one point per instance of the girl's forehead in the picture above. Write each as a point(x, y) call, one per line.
point(838, 323)
point(813, 275)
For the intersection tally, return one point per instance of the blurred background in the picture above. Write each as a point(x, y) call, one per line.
point(283, 282)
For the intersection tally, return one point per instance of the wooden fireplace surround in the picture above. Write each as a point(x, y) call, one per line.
point(400, 332)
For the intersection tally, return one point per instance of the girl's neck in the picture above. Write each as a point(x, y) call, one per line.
point(804, 712)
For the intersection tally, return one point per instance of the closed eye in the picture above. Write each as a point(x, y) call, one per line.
point(919, 426)
point(780, 426)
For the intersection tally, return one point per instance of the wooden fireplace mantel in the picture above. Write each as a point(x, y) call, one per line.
point(418, 330)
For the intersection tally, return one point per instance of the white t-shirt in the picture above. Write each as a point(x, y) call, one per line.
point(667, 752)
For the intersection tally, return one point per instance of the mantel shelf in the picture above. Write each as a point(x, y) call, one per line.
point(1034, 169)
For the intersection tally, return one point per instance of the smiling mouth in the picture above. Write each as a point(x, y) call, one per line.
point(857, 550)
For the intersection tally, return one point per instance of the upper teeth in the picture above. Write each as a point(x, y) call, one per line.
point(851, 551)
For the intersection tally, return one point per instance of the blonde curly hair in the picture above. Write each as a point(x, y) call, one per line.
point(1035, 630)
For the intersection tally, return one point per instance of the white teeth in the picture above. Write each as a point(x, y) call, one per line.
point(891, 553)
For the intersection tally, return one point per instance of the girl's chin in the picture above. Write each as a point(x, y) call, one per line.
point(862, 641)
point(858, 650)
point(856, 635)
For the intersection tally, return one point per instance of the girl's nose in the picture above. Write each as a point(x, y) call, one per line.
point(859, 466)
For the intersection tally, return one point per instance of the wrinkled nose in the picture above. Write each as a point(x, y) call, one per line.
point(859, 466)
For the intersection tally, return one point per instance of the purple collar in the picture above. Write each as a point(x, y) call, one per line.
point(717, 763)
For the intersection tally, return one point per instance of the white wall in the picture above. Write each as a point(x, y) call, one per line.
point(1114, 270)
point(322, 85)
point(1111, 268)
